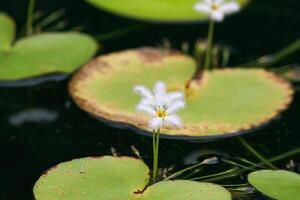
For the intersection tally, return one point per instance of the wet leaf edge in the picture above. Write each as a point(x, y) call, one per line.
point(36, 185)
point(250, 179)
point(144, 189)
point(139, 126)
point(9, 18)
point(201, 20)
point(55, 76)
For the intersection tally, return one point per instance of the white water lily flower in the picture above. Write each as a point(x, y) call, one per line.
point(217, 9)
point(160, 105)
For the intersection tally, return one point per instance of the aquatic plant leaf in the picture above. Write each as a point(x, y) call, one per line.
point(155, 10)
point(117, 178)
point(185, 190)
point(222, 102)
point(7, 31)
point(278, 184)
point(45, 53)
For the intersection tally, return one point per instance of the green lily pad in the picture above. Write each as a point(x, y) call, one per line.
point(41, 54)
point(112, 178)
point(7, 31)
point(222, 103)
point(155, 10)
point(278, 184)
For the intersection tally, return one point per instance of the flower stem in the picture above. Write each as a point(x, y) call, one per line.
point(207, 62)
point(256, 154)
point(29, 28)
point(155, 154)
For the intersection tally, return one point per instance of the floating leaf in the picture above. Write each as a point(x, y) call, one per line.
point(112, 178)
point(222, 103)
point(41, 54)
point(7, 31)
point(155, 10)
point(278, 184)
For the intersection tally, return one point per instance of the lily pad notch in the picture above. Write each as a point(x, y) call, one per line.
point(42, 57)
point(222, 104)
point(111, 178)
point(156, 10)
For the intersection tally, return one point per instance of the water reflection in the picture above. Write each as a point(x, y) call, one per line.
point(33, 115)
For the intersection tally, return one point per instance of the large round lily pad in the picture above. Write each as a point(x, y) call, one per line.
point(278, 184)
point(221, 103)
point(41, 54)
point(122, 178)
point(155, 10)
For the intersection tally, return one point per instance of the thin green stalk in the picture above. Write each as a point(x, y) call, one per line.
point(221, 174)
point(256, 154)
point(295, 46)
point(153, 145)
point(29, 26)
point(50, 19)
point(252, 164)
point(241, 189)
point(207, 62)
point(237, 164)
point(178, 173)
point(235, 185)
point(120, 32)
point(154, 154)
point(157, 151)
point(230, 175)
point(156, 135)
point(225, 175)
point(285, 155)
point(192, 173)
point(225, 57)
point(266, 61)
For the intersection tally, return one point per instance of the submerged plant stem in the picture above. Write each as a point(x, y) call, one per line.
point(50, 19)
point(176, 174)
point(155, 136)
point(207, 62)
point(237, 164)
point(252, 164)
point(218, 175)
point(29, 26)
point(232, 173)
point(119, 32)
point(266, 61)
point(285, 155)
point(256, 154)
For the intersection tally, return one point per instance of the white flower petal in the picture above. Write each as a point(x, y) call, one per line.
point(217, 16)
point(208, 2)
point(230, 7)
point(146, 109)
point(201, 7)
point(173, 96)
point(143, 91)
point(160, 100)
point(173, 120)
point(176, 106)
point(218, 2)
point(148, 102)
point(160, 88)
point(156, 123)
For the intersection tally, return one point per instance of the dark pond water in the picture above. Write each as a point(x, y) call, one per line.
point(40, 126)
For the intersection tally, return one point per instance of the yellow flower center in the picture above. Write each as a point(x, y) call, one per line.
point(161, 113)
point(215, 6)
